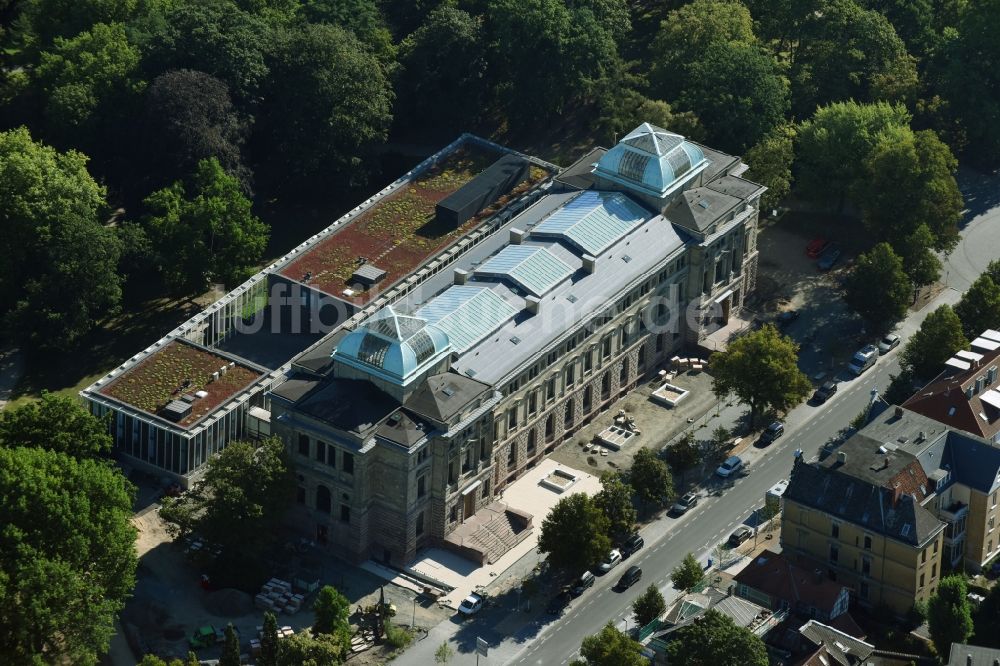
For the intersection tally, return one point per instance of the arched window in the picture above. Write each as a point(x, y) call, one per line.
point(531, 441)
point(323, 499)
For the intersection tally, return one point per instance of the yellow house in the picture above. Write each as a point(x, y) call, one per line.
point(897, 502)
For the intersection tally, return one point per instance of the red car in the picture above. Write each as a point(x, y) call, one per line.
point(816, 247)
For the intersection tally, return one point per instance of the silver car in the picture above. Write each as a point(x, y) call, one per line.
point(888, 343)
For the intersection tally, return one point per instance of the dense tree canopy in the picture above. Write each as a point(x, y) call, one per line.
point(688, 573)
point(761, 369)
point(738, 93)
point(878, 289)
point(40, 22)
point(920, 264)
point(770, 162)
point(57, 423)
point(67, 555)
point(847, 52)
point(57, 262)
point(189, 116)
point(715, 640)
point(915, 167)
point(648, 606)
point(210, 235)
point(332, 616)
point(575, 534)
point(322, 142)
point(833, 146)
point(611, 647)
point(939, 337)
point(615, 500)
point(651, 478)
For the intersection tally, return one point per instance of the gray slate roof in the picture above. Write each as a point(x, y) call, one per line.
point(981, 656)
point(441, 396)
point(350, 405)
point(843, 648)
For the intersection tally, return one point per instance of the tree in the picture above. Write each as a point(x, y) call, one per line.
point(361, 17)
point(832, 147)
point(689, 32)
point(979, 308)
point(627, 110)
point(323, 142)
point(847, 52)
point(877, 289)
point(719, 445)
point(57, 423)
point(715, 640)
point(648, 606)
point(615, 501)
point(188, 116)
point(304, 648)
point(579, 52)
point(915, 167)
point(95, 70)
point(57, 262)
point(442, 63)
point(651, 478)
point(444, 653)
point(239, 501)
point(333, 611)
point(575, 534)
point(67, 555)
point(688, 574)
point(919, 261)
point(269, 641)
point(612, 648)
point(914, 21)
point(939, 337)
point(231, 648)
point(215, 37)
point(770, 162)
point(761, 369)
point(738, 93)
point(949, 616)
point(685, 453)
point(969, 78)
point(211, 235)
point(40, 22)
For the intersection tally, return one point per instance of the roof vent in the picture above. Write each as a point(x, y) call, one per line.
point(899, 412)
point(841, 457)
point(461, 276)
point(531, 304)
point(589, 263)
point(448, 391)
point(516, 236)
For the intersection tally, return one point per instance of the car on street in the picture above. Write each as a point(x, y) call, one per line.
point(824, 392)
point(784, 319)
point(816, 247)
point(685, 503)
point(559, 603)
point(613, 559)
point(829, 258)
point(863, 359)
point(631, 545)
point(629, 578)
point(740, 535)
point(730, 467)
point(888, 343)
point(585, 580)
point(772, 432)
point(471, 605)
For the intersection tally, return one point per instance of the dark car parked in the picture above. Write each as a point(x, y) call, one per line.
point(828, 259)
point(629, 578)
point(740, 535)
point(772, 432)
point(559, 603)
point(634, 543)
point(824, 392)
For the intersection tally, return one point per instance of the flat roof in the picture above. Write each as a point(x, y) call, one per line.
point(399, 232)
point(177, 369)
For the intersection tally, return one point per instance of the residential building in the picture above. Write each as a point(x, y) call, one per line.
point(828, 646)
point(965, 395)
point(896, 504)
point(973, 655)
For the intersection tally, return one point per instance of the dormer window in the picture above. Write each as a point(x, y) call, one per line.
point(951, 410)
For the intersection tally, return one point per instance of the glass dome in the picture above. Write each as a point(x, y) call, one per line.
point(651, 160)
point(393, 345)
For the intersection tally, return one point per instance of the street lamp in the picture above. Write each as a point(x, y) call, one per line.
point(413, 620)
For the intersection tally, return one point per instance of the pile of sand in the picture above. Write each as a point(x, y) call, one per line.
point(228, 602)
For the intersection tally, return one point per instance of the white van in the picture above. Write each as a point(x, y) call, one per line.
point(772, 498)
point(863, 359)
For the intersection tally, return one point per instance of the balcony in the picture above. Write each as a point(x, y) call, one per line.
point(954, 512)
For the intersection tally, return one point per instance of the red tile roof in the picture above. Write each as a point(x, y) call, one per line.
point(772, 574)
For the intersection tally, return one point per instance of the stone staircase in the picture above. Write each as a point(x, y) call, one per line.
point(492, 532)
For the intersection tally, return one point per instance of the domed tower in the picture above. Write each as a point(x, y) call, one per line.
point(393, 351)
point(650, 163)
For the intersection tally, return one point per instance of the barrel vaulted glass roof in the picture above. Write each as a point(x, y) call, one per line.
point(532, 267)
point(593, 221)
point(466, 314)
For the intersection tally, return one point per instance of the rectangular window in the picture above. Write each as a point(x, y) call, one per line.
point(320, 451)
point(331, 456)
point(923, 556)
point(551, 358)
point(934, 570)
point(345, 513)
point(512, 418)
point(533, 403)
point(834, 553)
point(486, 488)
point(992, 519)
point(422, 455)
point(304, 445)
point(588, 362)
point(866, 566)
point(348, 462)
point(835, 530)
point(570, 375)
point(420, 523)
point(921, 581)
point(935, 547)
point(606, 347)
point(868, 543)
point(453, 513)
point(993, 498)
point(550, 389)
point(422, 486)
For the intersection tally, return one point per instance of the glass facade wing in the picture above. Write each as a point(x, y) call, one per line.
point(467, 314)
point(533, 268)
point(594, 221)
